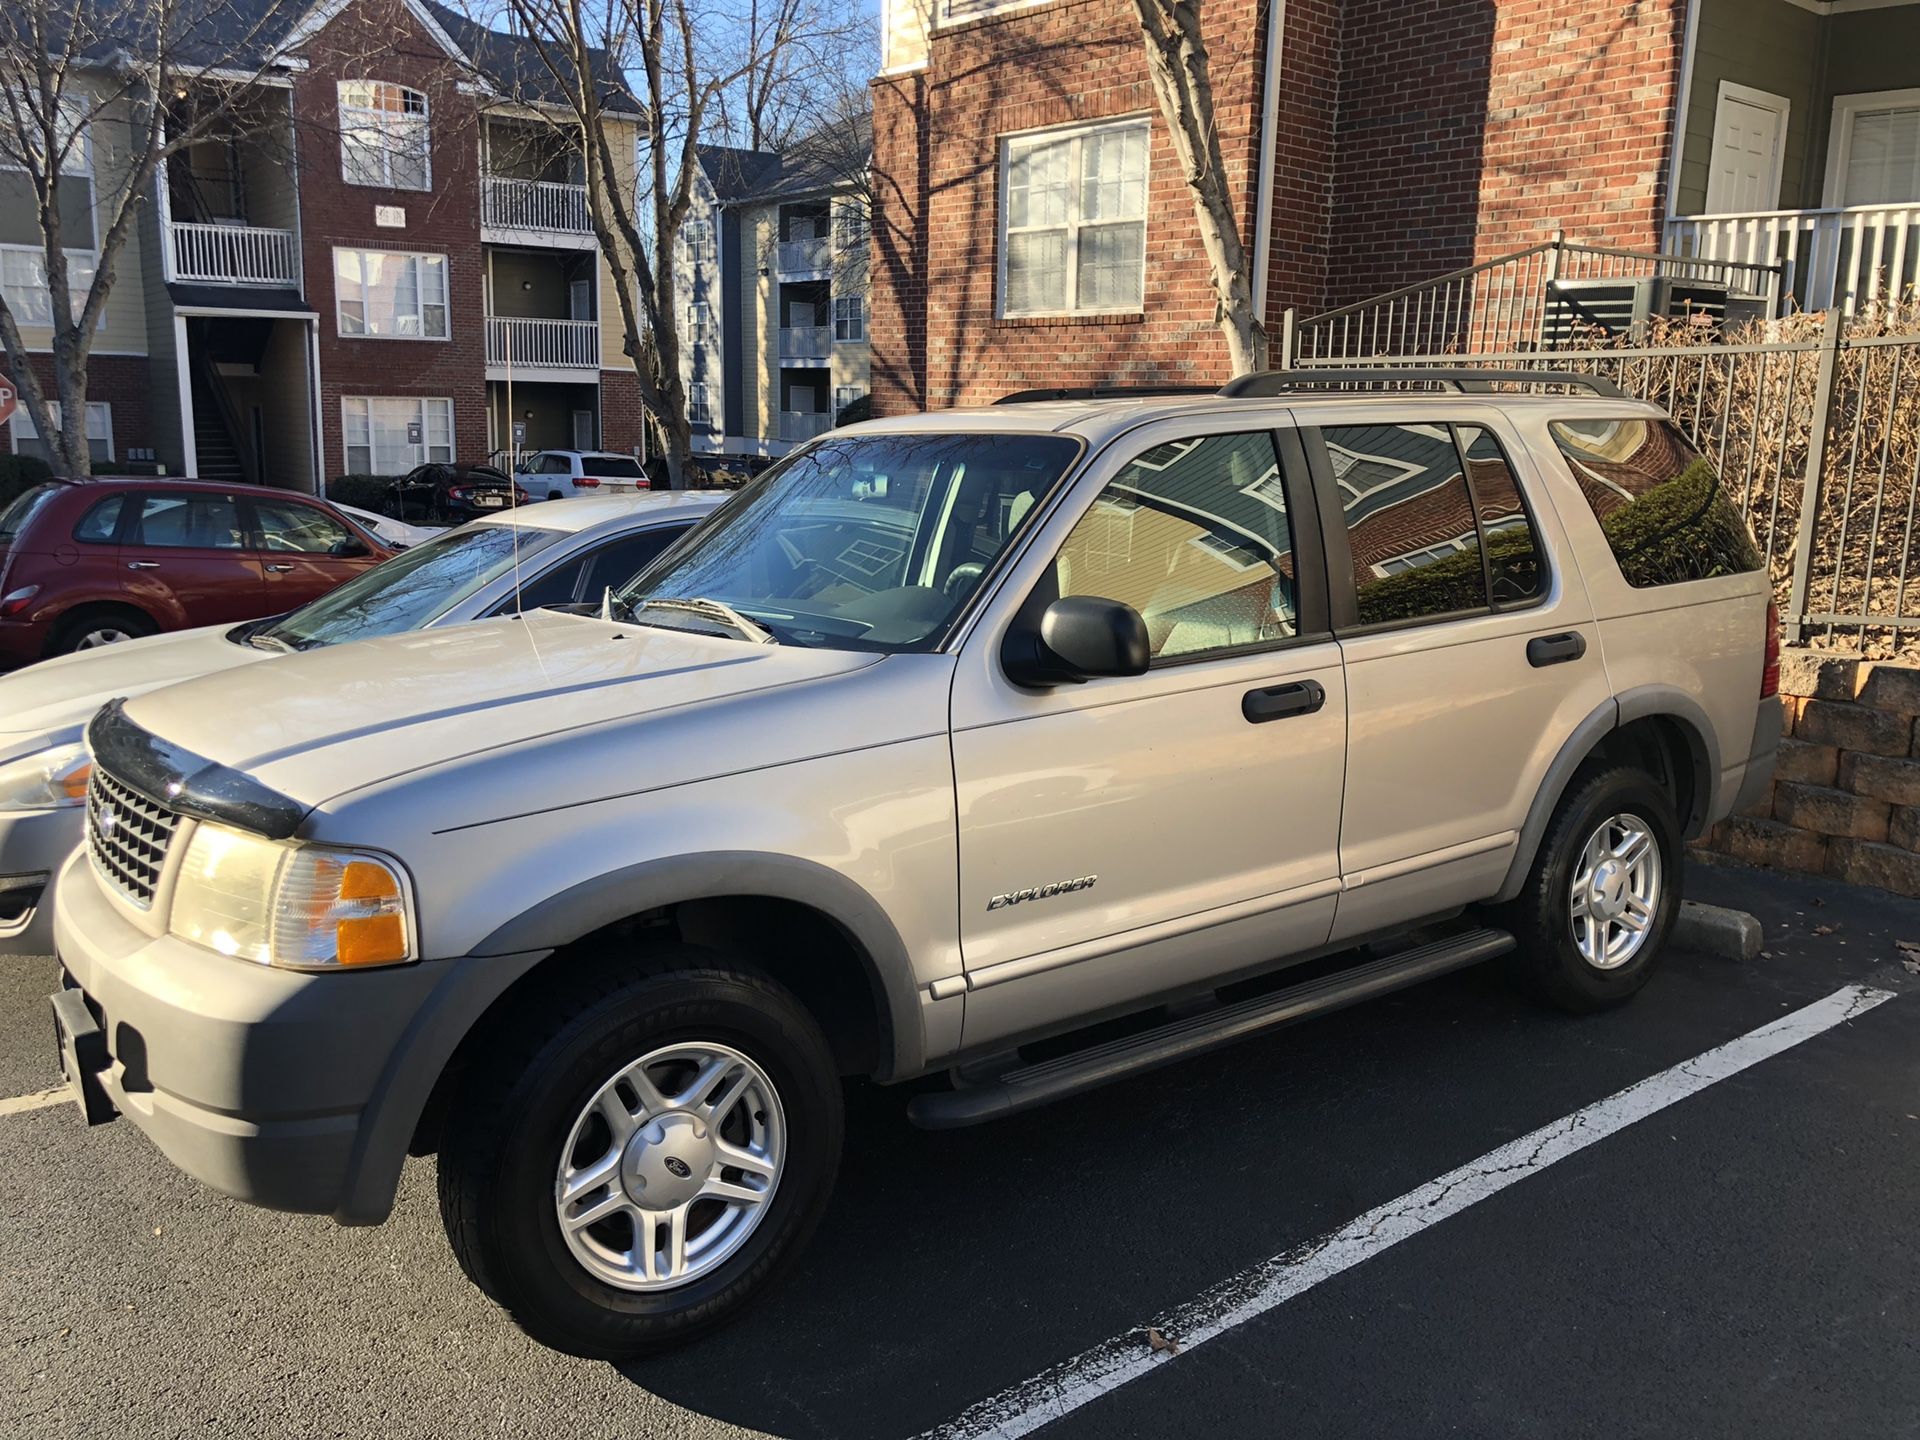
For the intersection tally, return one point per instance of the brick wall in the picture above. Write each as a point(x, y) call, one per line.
point(1845, 800)
point(126, 382)
point(620, 411)
point(380, 40)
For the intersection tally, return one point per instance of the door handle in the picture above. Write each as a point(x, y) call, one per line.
point(1303, 697)
point(1555, 649)
point(279, 569)
point(143, 564)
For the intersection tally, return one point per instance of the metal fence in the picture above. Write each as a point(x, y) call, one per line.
point(1816, 435)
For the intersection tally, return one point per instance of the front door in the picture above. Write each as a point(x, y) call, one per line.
point(304, 552)
point(1130, 836)
point(583, 436)
point(1749, 143)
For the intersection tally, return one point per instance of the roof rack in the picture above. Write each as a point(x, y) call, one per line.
point(1099, 392)
point(1459, 380)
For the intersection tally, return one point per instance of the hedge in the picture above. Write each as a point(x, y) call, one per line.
point(1448, 585)
point(19, 473)
point(369, 492)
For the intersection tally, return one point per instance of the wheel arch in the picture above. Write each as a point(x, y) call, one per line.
point(1656, 727)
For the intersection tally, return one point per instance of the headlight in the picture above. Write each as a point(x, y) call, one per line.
point(301, 907)
point(46, 779)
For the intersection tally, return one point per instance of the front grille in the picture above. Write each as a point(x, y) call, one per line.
point(127, 837)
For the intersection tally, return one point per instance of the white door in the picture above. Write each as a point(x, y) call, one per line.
point(580, 299)
point(583, 436)
point(1749, 144)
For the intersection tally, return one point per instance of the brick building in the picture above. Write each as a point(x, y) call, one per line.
point(381, 255)
point(1031, 226)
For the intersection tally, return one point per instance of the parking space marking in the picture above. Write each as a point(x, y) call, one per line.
point(39, 1100)
point(1054, 1393)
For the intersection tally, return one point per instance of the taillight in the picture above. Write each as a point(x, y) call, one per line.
point(15, 602)
point(520, 497)
point(1770, 665)
point(590, 481)
point(456, 492)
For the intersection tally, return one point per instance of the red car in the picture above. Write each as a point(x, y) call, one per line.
point(88, 562)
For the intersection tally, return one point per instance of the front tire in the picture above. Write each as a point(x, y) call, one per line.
point(1600, 900)
point(641, 1155)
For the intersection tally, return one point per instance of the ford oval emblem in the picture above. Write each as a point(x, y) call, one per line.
point(676, 1167)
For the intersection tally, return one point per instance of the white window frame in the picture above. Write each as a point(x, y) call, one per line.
point(82, 133)
point(1074, 134)
point(21, 426)
point(845, 395)
point(850, 224)
point(698, 236)
point(418, 259)
point(699, 403)
point(948, 14)
point(89, 259)
point(357, 116)
point(851, 328)
point(425, 448)
point(1846, 109)
point(699, 321)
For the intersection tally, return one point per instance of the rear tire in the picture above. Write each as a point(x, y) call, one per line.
point(95, 625)
point(531, 1152)
point(1600, 900)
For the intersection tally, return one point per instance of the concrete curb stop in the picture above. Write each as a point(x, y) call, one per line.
point(1717, 931)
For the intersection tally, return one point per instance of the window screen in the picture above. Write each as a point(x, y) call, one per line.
point(1659, 502)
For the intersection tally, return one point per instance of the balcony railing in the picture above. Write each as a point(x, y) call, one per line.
point(805, 342)
point(511, 204)
point(797, 425)
point(1846, 257)
point(806, 256)
point(234, 255)
point(543, 344)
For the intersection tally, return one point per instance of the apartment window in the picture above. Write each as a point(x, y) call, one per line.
point(391, 296)
point(27, 441)
point(699, 408)
point(1073, 229)
point(699, 321)
point(845, 395)
point(849, 317)
point(383, 136)
point(24, 149)
point(23, 280)
point(1875, 148)
point(381, 433)
point(698, 235)
point(850, 224)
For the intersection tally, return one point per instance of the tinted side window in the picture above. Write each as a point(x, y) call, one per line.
point(1513, 550)
point(614, 564)
point(193, 522)
point(1194, 535)
point(96, 527)
point(289, 525)
point(556, 587)
point(1410, 521)
point(1658, 500)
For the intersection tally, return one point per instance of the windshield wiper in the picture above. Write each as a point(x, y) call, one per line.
point(717, 610)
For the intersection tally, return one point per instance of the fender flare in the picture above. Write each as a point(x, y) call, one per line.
point(1610, 715)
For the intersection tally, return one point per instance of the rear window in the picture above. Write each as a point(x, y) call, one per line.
point(14, 515)
point(1660, 503)
point(612, 467)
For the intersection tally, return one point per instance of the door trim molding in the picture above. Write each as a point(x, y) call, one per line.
point(1760, 100)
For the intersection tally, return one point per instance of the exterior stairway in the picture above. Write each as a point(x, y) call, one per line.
point(213, 446)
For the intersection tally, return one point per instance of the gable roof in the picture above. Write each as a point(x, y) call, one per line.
point(518, 66)
point(828, 159)
point(735, 173)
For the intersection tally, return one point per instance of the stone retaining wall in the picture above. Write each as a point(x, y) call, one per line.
point(1845, 800)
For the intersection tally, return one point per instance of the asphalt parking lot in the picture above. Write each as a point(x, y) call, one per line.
point(1736, 1260)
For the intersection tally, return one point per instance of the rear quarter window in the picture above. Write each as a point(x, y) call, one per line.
point(1660, 503)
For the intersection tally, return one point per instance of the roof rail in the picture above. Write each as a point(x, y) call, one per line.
point(1459, 380)
point(1099, 392)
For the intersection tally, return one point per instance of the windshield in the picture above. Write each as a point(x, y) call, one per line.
point(869, 542)
point(14, 516)
point(409, 590)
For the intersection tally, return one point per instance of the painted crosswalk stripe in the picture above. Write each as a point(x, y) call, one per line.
point(1055, 1393)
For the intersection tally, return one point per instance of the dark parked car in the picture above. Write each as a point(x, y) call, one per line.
point(89, 562)
point(452, 492)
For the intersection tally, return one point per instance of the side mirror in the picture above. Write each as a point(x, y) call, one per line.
point(1078, 638)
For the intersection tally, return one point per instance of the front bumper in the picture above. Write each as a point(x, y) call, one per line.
point(263, 1083)
point(33, 844)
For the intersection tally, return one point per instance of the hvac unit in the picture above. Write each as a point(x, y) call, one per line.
point(1581, 311)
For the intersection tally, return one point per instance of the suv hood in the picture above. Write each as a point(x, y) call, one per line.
point(317, 724)
point(50, 702)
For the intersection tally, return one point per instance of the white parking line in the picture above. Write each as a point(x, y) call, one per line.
point(39, 1100)
point(1066, 1387)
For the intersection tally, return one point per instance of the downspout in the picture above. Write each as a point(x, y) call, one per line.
point(1263, 186)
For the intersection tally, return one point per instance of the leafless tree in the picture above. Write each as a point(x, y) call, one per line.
point(1181, 72)
point(655, 70)
point(90, 85)
point(805, 66)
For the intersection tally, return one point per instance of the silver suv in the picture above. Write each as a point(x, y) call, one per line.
point(1028, 747)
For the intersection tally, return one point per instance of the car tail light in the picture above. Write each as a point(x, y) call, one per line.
point(520, 497)
point(1770, 664)
point(590, 481)
point(16, 601)
point(456, 492)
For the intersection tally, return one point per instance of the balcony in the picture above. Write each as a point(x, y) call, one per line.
point(799, 425)
point(235, 255)
point(806, 255)
point(805, 342)
point(536, 349)
point(534, 207)
point(1846, 257)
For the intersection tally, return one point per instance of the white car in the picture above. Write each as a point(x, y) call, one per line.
point(394, 532)
point(566, 474)
point(497, 565)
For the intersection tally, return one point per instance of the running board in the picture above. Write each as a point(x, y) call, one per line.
point(1029, 1086)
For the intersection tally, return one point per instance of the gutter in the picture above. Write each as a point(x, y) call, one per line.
point(1263, 187)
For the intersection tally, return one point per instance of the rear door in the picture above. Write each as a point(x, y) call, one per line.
point(303, 551)
point(1471, 654)
point(188, 560)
